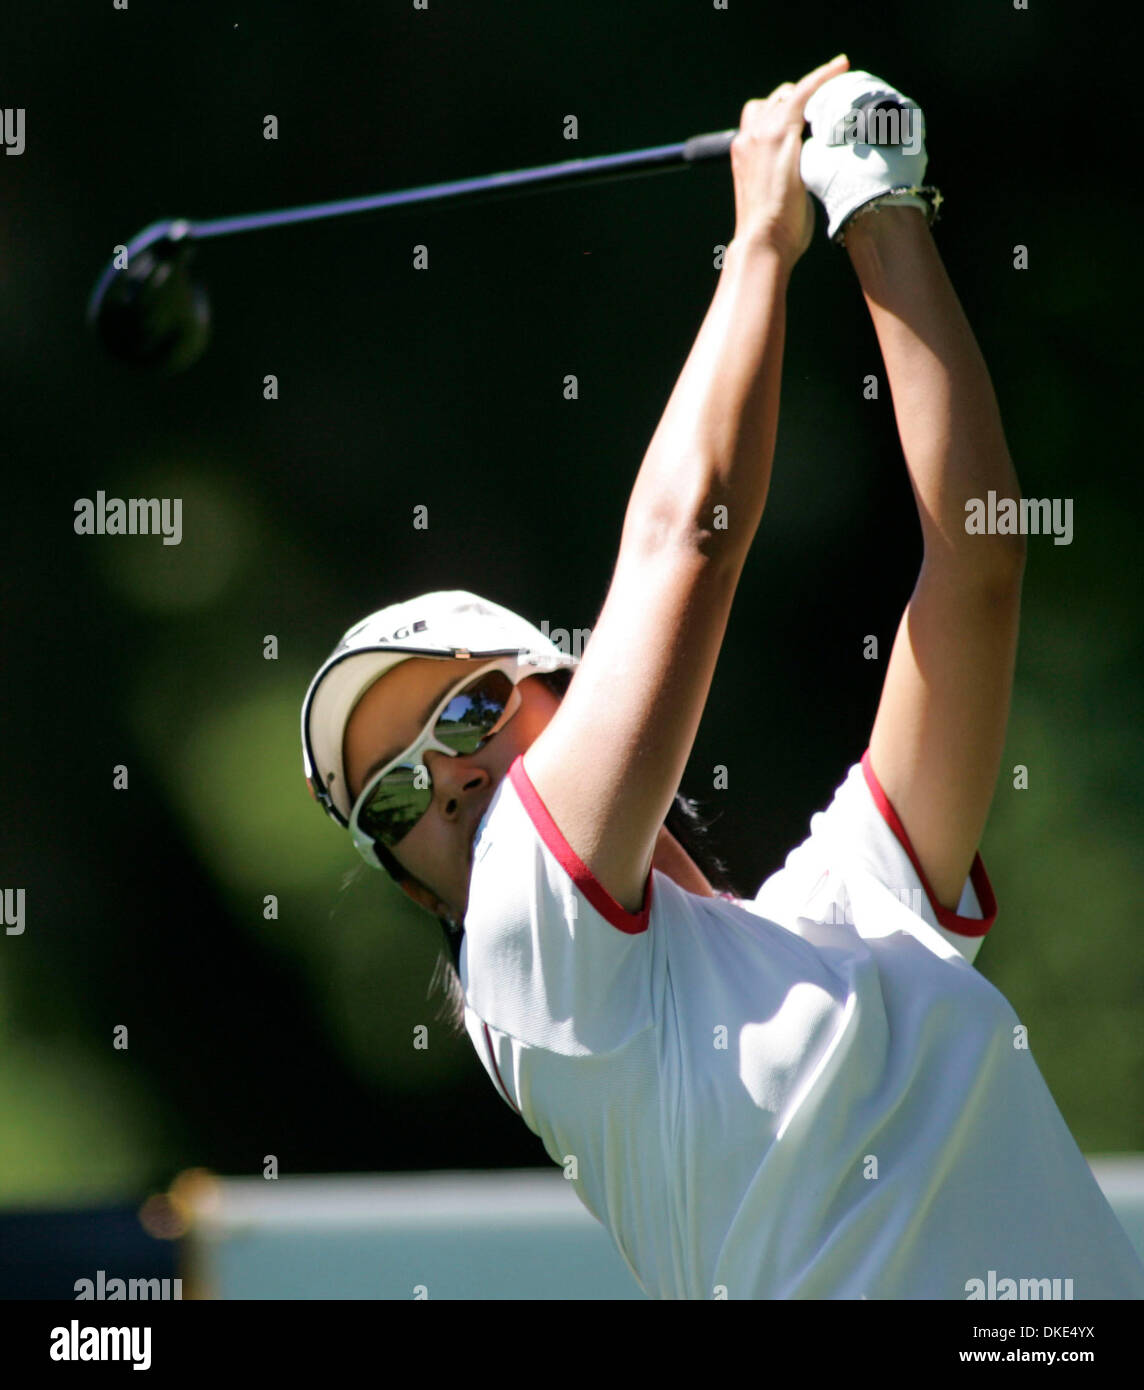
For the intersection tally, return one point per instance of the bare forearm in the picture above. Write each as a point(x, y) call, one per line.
point(946, 410)
point(714, 445)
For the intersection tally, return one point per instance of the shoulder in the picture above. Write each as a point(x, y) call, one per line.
point(546, 958)
point(519, 828)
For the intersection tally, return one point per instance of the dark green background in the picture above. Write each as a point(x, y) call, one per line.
point(400, 388)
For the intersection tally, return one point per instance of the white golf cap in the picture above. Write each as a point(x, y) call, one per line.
point(448, 624)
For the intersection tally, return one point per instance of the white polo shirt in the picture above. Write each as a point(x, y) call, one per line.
point(809, 1095)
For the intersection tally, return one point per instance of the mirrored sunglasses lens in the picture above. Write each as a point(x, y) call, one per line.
point(473, 713)
point(397, 803)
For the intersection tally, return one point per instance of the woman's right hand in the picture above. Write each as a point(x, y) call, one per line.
point(772, 206)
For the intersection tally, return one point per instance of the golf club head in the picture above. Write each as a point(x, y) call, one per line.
point(152, 314)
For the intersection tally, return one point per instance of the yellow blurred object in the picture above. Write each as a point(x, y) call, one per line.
point(172, 1215)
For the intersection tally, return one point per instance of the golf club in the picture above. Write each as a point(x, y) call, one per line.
point(149, 311)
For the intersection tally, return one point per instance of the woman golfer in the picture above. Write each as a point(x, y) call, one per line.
point(811, 1093)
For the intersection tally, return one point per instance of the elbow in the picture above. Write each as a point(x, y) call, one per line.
point(1006, 560)
point(993, 562)
point(704, 548)
point(699, 525)
point(1000, 565)
point(992, 576)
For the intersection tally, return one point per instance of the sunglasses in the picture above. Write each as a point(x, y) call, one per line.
point(395, 798)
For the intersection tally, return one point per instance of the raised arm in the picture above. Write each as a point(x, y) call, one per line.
point(610, 761)
point(938, 736)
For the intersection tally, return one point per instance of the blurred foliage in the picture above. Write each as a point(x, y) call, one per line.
point(292, 1035)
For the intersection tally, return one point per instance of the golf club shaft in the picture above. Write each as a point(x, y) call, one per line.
point(658, 157)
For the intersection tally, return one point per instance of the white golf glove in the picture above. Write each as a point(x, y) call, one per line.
point(858, 156)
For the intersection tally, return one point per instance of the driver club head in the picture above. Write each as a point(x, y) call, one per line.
point(153, 315)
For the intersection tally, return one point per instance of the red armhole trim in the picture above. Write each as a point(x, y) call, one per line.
point(962, 926)
point(608, 908)
point(496, 1069)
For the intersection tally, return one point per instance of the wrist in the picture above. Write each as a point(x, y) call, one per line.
point(891, 236)
point(888, 218)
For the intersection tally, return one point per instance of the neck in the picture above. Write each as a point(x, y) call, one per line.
point(672, 859)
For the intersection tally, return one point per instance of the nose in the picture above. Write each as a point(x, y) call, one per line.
point(456, 780)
